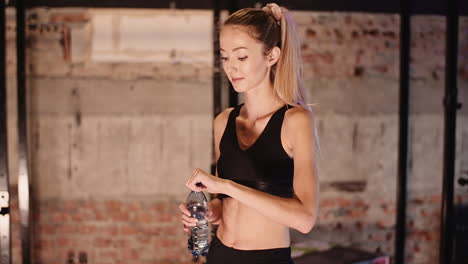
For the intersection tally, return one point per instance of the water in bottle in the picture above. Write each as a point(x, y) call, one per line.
point(198, 235)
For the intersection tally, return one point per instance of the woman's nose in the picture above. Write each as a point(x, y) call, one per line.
point(232, 66)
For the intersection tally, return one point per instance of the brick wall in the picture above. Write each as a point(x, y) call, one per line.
point(116, 128)
point(112, 142)
point(351, 66)
point(110, 231)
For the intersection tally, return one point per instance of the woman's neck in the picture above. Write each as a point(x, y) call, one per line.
point(261, 102)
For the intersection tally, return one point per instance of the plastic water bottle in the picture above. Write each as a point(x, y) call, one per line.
point(198, 235)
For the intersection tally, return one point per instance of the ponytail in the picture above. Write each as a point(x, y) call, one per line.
point(287, 73)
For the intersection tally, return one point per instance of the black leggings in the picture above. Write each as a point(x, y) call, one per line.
point(221, 254)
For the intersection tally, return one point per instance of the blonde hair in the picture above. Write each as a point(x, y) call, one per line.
point(264, 26)
point(274, 27)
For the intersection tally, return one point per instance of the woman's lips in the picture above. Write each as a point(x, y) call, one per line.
point(234, 80)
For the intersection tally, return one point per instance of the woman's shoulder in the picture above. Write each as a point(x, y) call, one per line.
point(220, 121)
point(298, 118)
point(223, 116)
point(298, 114)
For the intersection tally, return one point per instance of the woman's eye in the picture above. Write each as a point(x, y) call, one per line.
point(243, 58)
point(223, 58)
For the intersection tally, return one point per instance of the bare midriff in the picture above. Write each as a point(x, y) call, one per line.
point(242, 227)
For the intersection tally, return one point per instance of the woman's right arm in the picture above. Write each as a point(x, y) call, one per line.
point(214, 214)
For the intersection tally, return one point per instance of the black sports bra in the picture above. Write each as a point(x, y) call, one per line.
point(264, 166)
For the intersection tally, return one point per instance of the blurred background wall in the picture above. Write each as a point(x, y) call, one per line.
point(120, 113)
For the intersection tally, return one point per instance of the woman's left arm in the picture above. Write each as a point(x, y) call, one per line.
point(299, 212)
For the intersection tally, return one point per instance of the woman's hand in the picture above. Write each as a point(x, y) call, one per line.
point(187, 218)
point(213, 214)
point(215, 211)
point(203, 181)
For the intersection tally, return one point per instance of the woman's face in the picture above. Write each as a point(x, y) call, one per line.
point(242, 58)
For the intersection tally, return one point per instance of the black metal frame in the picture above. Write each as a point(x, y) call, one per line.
point(233, 96)
point(217, 80)
point(23, 178)
point(451, 105)
point(5, 219)
point(400, 232)
point(216, 63)
point(371, 6)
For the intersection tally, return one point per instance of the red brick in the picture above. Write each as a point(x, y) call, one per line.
point(62, 241)
point(435, 199)
point(134, 207)
point(77, 217)
point(59, 217)
point(120, 216)
point(172, 230)
point(70, 18)
point(128, 230)
point(100, 216)
point(152, 230)
point(144, 217)
point(310, 33)
point(43, 244)
point(71, 206)
point(107, 230)
point(357, 213)
point(167, 243)
point(129, 254)
point(107, 255)
point(68, 229)
point(113, 205)
point(87, 229)
point(102, 242)
point(121, 243)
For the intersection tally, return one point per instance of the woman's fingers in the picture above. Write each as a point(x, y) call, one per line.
point(209, 212)
point(186, 218)
point(208, 216)
point(189, 221)
point(183, 209)
point(190, 182)
point(196, 184)
point(199, 181)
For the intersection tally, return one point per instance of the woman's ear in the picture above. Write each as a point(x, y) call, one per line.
point(274, 56)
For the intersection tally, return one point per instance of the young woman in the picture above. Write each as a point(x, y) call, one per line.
point(265, 148)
